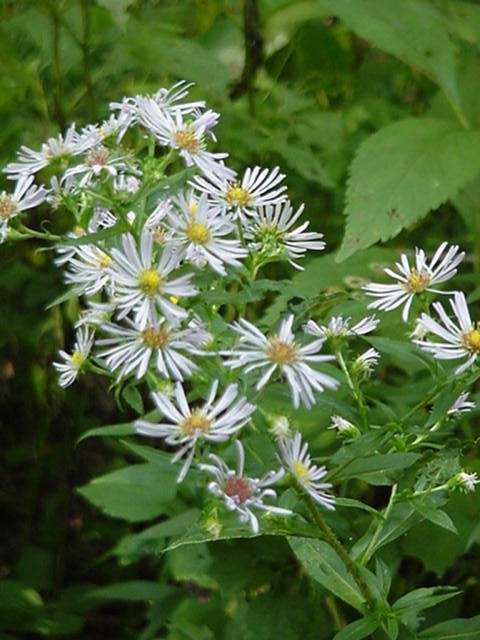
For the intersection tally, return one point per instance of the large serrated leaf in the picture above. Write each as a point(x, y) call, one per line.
point(401, 173)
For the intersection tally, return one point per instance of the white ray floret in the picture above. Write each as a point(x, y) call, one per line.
point(460, 340)
point(73, 363)
point(25, 196)
point(339, 327)
point(201, 240)
point(184, 426)
point(280, 352)
point(141, 283)
point(30, 161)
point(258, 187)
point(87, 268)
point(271, 229)
point(241, 493)
point(98, 162)
point(296, 459)
point(461, 405)
point(412, 280)
point(132, 349)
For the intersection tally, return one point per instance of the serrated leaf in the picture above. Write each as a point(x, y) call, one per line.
point(456, 629)
point(323, 564)
point(135, 493)
point(401, 173)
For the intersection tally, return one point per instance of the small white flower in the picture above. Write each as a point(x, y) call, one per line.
point(466, 482)
point(74, 362)
point(271, 229)
point(258, 187)
point(201, 240)
point(87, 268)
point(461, 405)
point(239, 492)
point(296, 459)
point(365, 362)
point(186, 134)
point(98, 161)
point(141, 285)
point(343, 426)
point(132, 349)
point(462, 341)
point(211, 422)
point(30, 161)
point(416, 279)
point(25, 196)
point(281, 352)
point(339, 327)
point(280, 427)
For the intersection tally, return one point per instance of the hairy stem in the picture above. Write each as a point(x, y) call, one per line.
point(371, 547)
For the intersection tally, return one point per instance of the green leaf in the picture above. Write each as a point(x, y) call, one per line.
point(418, 35)
point(358, 629)
point(435, 515)
point(135, 493)
point(456, 629)
point(401, 173)
point(323, 564)
point(399, 520)
point(123, 429)
point(378, 469)
point(133, 398)
point(131, 591)
point(423, 598)
point(356, 504)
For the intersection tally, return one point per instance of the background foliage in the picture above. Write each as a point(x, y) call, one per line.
point(374, 114)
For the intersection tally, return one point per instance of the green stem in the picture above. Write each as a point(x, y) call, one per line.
point(333, 541)
point(355, 389)
point(428, 398)
point(38, 234)
point(371, 547)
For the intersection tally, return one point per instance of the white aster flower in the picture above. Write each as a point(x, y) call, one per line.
point(466, 482)
point(87, 267)
point(214, 421)
point(281, 352)
point(344, 426)
point(339, 327)
point(74, 362)
point(280, 427)
point(462, 341)
point(96, 315)
point(200, 238)
point(141, 285)
point(271, 230)
point(417, 279)
point(258, 187)
point(296, 459)
point(131, 349)
point(25, 196)
point(365, 362)
point(239, 492)
point(185, 134)
point(30, 161)
point(461, 405)
point(98, 162)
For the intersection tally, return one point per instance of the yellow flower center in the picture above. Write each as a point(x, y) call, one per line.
point(7, 207)
point(196, 422)
point(301, 470)
point(238, 488)
point(77, 359)
point(282, 352)
point(192, 207)
point(197, 233)
point(155, 338)
point(471, 340)
point(237, 195)
point(79, 232)
point(105, 261)
point(188, 141)
point(149, 281)
point(418, 281)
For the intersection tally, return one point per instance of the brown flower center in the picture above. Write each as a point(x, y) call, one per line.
point(188, 141)
point(238, 488)
point(282, 352)
point(7, 207)
point(155, 338)
point(98, 157)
